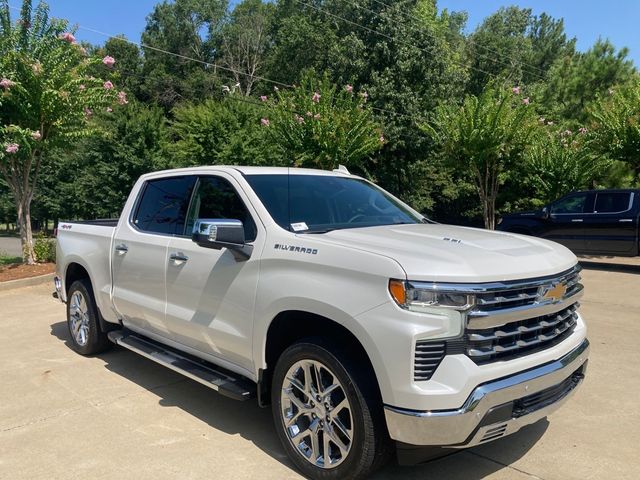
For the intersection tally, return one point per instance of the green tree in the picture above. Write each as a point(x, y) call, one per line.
point(616, 125)
point(321, 125)
point(216, 132)
point(45, 102)
point(486, 136)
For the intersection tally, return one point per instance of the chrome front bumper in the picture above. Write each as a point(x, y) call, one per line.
point(495, 409)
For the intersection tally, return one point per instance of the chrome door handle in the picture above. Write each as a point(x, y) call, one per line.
point(626, 220)
point(178, 257)
point(576, 220)
point(122, 249)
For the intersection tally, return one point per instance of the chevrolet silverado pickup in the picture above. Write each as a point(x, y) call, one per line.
point(368, 329)
point(594, 222)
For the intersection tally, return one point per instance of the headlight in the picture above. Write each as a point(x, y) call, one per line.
point(424, 298)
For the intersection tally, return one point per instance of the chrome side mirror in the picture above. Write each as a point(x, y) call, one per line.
point(218, 233)
point(545, 213)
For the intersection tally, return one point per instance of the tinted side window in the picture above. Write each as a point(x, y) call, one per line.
point(216, 198)
point(573, 204)
point(612, 202)
point(164, 204)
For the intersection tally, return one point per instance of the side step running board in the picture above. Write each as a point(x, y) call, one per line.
point(222, 381)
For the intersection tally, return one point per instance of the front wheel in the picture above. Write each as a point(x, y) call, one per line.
point(328, 420)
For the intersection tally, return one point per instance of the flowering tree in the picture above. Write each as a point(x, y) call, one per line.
point(47, 99)
point(559, 162)
point(485, 136)
point(321, 125)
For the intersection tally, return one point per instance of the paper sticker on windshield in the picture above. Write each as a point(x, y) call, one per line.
point(299, 227)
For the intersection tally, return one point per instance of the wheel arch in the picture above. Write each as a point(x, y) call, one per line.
point(290, 326)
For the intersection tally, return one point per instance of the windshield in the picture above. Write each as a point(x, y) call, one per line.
point(321, 203)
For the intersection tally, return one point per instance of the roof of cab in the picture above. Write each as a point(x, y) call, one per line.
point(251, 171)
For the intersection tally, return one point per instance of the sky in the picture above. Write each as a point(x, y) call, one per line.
point(584, 19)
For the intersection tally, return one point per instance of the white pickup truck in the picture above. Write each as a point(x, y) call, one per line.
point(365, 326)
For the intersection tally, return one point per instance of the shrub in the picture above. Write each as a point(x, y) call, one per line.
point(44, 248)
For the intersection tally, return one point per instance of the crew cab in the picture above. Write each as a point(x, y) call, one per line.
point(366, 327)
point(595, 222)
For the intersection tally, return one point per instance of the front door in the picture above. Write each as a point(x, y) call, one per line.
point(140, 253)
point(566, 220)
point(210, 293)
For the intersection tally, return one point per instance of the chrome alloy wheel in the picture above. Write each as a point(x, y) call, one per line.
point(316, 414)
point(79, 318)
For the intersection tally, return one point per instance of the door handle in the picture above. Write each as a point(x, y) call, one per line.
point(626, 220)
point(576, 220)
point(178, 257)
point(122, 249)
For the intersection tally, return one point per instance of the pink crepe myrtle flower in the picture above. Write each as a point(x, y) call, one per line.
point(82, 87)
point(526, 101)
point(87, 112)
point(6, 83)
point(298, 118)
point(265, 122)
point(516, 90)
point(68, 37)
point(107, 85)
point(12, 148)
point(349, 88)
point(582, 130)
point(317, 116)
point(263, 98)
point(109, 61)
point(365, 96)
point(82, 50)
point(316, 97)
point(109, 109)
point(309, 114)
point(122, 98)
point(36, 68)
point(382, 139)
point(36, 135)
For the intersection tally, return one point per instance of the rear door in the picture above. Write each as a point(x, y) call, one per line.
point(566, 220)
point(140, 252)
point(613, 226)
point(211, 293)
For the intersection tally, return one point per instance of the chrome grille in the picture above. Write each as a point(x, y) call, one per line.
point(427, 358)
point(514, 319)
point(521, 337)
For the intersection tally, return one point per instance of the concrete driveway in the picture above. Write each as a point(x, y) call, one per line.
point(118, 415)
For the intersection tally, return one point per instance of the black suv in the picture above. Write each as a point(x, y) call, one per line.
point(598, 222)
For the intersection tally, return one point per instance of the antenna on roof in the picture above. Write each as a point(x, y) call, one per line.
point(342, 169)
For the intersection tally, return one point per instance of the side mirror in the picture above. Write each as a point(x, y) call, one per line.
point(222, 233)
point(545, 213)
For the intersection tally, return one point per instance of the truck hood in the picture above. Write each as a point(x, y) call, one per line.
point(446, 253)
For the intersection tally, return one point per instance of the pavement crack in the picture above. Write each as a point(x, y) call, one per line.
point(536, 477)
point(42, 419)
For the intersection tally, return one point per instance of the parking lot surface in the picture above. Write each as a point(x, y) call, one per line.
point(118, 415)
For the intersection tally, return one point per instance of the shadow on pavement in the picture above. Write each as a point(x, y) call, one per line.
point(603, 265)
point(255, 424)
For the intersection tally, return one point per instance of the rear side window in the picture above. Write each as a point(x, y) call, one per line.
point(612, 202)
point(164, 204)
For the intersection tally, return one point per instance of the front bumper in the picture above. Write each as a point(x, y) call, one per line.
point(494, 409)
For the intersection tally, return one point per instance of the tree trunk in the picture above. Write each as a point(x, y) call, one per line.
point(26, 235)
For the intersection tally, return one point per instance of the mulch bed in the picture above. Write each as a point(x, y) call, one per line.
point(17, 271)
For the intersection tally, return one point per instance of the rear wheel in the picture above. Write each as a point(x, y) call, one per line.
point(327, 418)
point(87, 338)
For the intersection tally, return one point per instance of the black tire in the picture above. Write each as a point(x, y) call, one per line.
point(95, 340)
point(371, 446)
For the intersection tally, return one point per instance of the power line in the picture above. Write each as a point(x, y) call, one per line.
point(495, 52)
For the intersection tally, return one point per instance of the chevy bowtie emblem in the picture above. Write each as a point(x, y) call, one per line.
point(554, 293)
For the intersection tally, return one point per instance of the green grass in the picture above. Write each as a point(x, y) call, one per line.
point(8, 259)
